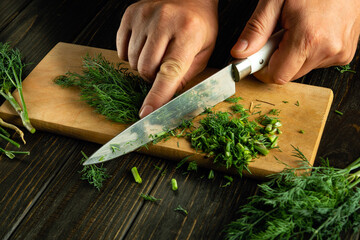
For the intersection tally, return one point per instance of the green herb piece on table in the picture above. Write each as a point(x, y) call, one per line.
point(345, 68)
point(192, 166)
point(285, 101)
point(182, 162)
point(136, 175)
point(229, 181)
point(11, 69)
point(174, 185)
point(301, 131)
point(233, 99)
point(274, 111)
point(302, 203)
point(339, 113)
point(149, 198)
point(181, 210)
point(211, 174)
point(94, 174)
point(11, 154)
point(109, 88)
point(297, 104)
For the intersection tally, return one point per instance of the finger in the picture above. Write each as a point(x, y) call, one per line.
point(176, 63)
point(122, 40)
point(151, 55)
point(136, 44)
point(258, 29)
point(287, 60)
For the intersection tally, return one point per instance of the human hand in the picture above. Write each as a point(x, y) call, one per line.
point(168, 42)
point(318, 34)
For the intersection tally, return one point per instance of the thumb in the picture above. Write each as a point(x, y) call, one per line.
point(258, 29)
point(164, 87)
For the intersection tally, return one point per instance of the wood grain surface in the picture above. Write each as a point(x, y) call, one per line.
point(42, 195)
point(61, 111)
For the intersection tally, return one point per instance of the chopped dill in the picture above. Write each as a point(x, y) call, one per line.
point(192, 166)
point(345, 68)
point(149, 198)
point(181, 210)
point(338, 112)
point(233, 99)
point(94, 174)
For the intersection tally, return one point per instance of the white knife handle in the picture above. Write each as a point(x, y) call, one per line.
point(261, 58)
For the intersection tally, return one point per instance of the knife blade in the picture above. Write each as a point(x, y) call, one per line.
point(188, 105)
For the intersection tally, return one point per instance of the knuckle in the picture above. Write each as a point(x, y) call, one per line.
point(257, 24)
point(171, 68)
point(146, 71)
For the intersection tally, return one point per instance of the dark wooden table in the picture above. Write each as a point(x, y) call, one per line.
point(42, 196)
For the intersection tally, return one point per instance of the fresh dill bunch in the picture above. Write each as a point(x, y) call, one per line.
point(109, 88)
point(297, 204)
point(94, 174)
point(11, 69)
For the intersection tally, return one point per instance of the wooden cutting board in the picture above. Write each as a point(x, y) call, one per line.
point(60, 110)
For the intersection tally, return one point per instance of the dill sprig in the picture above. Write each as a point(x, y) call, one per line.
point(320, 205)
point(11, 69)
point(94, 174)
point(109, 88)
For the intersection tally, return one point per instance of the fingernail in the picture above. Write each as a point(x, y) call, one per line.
point(145, 110)
point(241, 45)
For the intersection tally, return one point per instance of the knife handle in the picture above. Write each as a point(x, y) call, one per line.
point(259, 59)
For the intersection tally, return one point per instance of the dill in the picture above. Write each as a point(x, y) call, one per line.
point(181, 210)
point(174, 185)
point(149, 198)
point(109, 88)
point(11, 69)
point(192, 166)
point(301, 131)
point(136, 175)
point(320, 205)
point(211, 174)
point(233, 141)
point(229, 181)
point(94, 174)
point(345, 68)
point(339, 113)
point(274, 111)
point(233, 99)
point(297, 103)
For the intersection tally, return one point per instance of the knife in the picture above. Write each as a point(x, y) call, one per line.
point(188, 105)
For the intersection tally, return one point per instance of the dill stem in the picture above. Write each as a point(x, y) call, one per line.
point(10, 140)
point(136, 175)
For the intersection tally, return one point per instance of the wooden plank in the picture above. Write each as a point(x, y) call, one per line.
point(24, 178)
point(52, 108)
point(205, 200)
point(72, 209)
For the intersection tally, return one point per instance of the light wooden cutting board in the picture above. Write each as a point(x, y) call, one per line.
point(60, 110)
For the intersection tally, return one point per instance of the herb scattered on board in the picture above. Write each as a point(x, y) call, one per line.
point(149, 198)
point(295, 204)
point(136, 175)
point(109, 88)
point(338, 112)
point(174, 185)
point(182, 210)
point(11, 69)
point(345, 68)
point(94, 174)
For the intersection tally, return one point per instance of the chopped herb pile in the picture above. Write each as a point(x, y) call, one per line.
point(320, 205)
point(233, 140)
point(11, 69)
point(94, 174)
point(109, 88)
